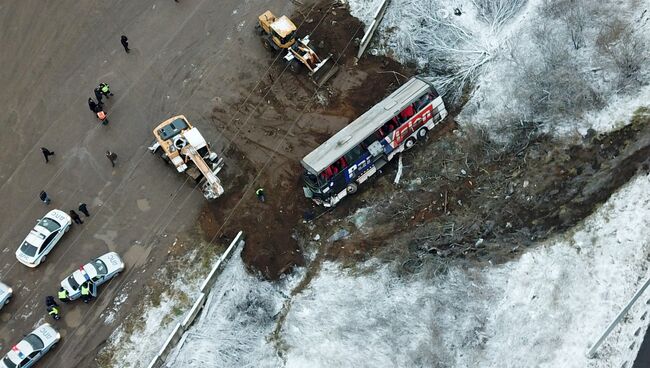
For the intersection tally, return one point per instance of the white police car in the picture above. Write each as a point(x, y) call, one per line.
point(97, 271)
point(5, 294)
point(32, 348)
point(43, 237)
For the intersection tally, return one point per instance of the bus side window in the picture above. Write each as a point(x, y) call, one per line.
point(343, 163)
point(407, 113)
point(354, 154)
point(389, 126)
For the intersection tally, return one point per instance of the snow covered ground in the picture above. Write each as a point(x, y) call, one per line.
point(574, 64)
point(541, 310)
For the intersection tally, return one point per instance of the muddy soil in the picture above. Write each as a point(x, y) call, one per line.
point(465, 197)
point(284, 118)
point(462, 196)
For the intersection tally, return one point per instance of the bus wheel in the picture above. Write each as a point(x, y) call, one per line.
point(409, 143)
point(422, 133)
point(352, 188)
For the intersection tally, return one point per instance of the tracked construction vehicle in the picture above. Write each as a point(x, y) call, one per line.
point(279, 34)
point(182, 145)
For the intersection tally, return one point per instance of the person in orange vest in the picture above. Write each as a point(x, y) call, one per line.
point(101, 115)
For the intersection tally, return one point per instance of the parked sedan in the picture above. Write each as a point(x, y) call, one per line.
point(5, 294)
point(32, 348)
point(43, 237)
point(96, 272)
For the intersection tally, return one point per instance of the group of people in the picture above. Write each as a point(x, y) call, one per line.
point(83, 208)
point(101, 91)
point(87, 293)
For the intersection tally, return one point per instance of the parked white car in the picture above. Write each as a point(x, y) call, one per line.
point(32, 348)
point(43, 237)
point(5, 294)
point(97, 272)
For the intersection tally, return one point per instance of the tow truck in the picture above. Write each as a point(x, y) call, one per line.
point(182, 145)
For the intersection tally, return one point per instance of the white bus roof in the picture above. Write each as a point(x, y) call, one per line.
point(353, 134)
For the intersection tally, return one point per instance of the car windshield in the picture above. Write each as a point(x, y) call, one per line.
point(34, 341)
point(49, 224)
point(8, 362)
point(28, 249)
point(73, 283)
point(100, 267)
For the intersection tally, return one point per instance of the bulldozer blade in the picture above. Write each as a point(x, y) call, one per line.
point(324, 72)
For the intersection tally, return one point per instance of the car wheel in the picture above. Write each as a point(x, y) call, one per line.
point(409, 143)
point(8, 300)
point(259, 29)
point(351, 188)
point(42, 259)
point(422, 133)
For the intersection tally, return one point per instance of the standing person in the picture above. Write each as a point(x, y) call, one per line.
point(92, 105)
point(85, 292)
point(260, 194)
point(75, 217)
point(125, 42)
point(44, 197)
point(63, 295)
point(52, 307)
point(46, 153)
point(84, 209)
point(105, 89)
point(98, 96)
point(111, 157)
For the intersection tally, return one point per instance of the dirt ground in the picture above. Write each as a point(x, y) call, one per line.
point(462, 195)
point(287, 125)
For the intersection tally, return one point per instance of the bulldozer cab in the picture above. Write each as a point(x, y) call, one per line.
point(281, 30)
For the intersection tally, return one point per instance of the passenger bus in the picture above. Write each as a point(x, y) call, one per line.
point(336, 168)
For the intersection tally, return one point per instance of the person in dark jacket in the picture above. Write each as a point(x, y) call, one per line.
point(84, 209)
point(92, 105)
point(49, 301)
point(111, 157)
point(46, 153)
point(75, 217)
point(98, 96)
point(44, 197)
point(125, 43)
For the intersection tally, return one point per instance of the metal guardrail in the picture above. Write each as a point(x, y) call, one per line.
point(178, 334)
point(365, 41)
point(592, 351)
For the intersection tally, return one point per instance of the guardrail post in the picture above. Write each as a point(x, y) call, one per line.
point(365, 41)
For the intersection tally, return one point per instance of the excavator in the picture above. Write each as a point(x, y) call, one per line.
point(279, 34)
point(182, 145)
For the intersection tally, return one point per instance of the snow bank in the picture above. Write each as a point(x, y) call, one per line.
point(541, 310)
point(235, 329)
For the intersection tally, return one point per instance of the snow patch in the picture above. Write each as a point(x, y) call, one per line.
point(541, 310)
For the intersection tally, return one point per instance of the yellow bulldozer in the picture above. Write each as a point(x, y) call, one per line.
point(279, 34)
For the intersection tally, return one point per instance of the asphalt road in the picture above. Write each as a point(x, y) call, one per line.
point(53, 53)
